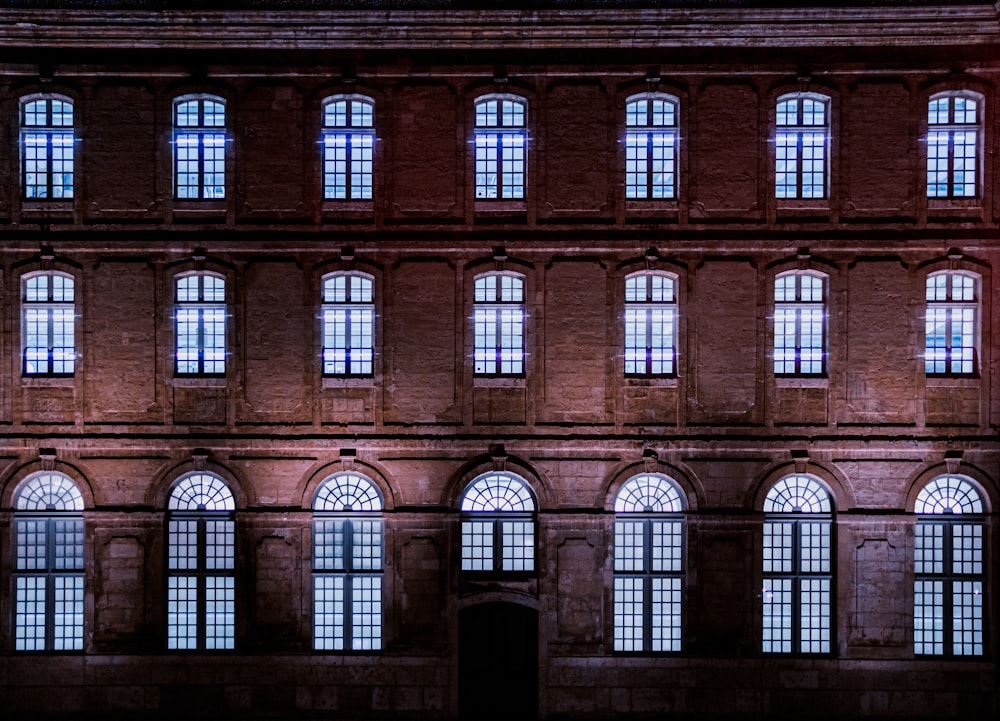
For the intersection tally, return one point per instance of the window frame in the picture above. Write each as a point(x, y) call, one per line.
point(27, 513)
point(509, 146)
point(798, 325)
point(799, 132)
point(661, 506)
point(180, 511)
point(356, 139)
point(498, 523)
point(648, 307)
point(490, 316)
point(206, 165)
point(950, 308)
point(59, 320)
point(949, 130)
point(649, 132)
point(797, 518)
point(330, 509)
point(53, 137)
point(353, 367)
point(202, 326)
point(964, 512)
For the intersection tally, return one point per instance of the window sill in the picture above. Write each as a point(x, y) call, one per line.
point(194, 381)
point(501, 208)
point(348, 381)
point(499, 381)
point(801, 381)
point(46, 210)
point(954, 381)
point(48, 381)
point(652, 381)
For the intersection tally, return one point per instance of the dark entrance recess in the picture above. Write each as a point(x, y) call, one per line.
point(498, 662)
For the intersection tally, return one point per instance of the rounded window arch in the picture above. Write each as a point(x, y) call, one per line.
point(948, 568)
point(797, 560)
point(498, 525)
point(48, 564)
point(649, 565)
point(348, 543)
point(201, 563)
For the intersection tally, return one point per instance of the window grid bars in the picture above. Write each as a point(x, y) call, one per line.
point(800, 325)
point(199, 150)
point(801, 149)
point(200, 327)
point(47, 148)
point(952, 148)
point(49, 326)
point(498, 543)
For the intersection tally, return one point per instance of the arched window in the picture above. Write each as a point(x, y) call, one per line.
point(347, 564)
point(953, 132)
point(500, 140)
point(801, 146)
point(499, 324)
point(798, 567)
point(948, 569)
point(649, 564)
point(48, 324)
point(951, 324)
point(498, 525)
point(48, 565)
point(650, 324)
point(800, 323)
point(650, 147)
point(201, 564)
point(200, 148)
point(348, 147)
point(47, 148)
point(200, 324)
point(348, 324)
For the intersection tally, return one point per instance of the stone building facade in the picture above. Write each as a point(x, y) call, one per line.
point(438, 360)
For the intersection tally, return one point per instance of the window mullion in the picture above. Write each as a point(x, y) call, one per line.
point(648, 313)
point(649, 163)
point(799, 162)
point(201, 584)
point(952, 179)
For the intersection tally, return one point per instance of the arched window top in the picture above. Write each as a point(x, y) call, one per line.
point(48, 111)
point(348, 287)
point(201, 492)
point(199, 111)
point(952, 285)
point(651, 110)
point(348, 111)
point(498, 492)
point(48, 287)
point(201, 287)
point(649, 493)
point(347, 492)
point(650, 286)
point(954, 108)
point(49, 492)
point(797, 494)
point(500, 111)
point(499, 287)
point(800, 285)
point(948, 495)
point(809, 110)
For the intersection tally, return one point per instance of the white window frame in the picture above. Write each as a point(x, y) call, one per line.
point(348, 140)
point(651, 324)
point(348, 319)
point(802, 147)
point(500, 147)
point(498, 526)
point(958, 319)
point(800, 323)
point(348, 551)
point(199, 147)
point(651, 146)
point(48, 324)
point(200, 325)
point(47, 148)
point(498, 324)
point(954, 145)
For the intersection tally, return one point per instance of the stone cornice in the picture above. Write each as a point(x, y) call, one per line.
point(501, 29)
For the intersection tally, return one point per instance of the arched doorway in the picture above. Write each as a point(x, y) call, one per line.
point(498, 662)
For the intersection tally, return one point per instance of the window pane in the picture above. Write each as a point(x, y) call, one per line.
point(628, 613)
point(777, 627)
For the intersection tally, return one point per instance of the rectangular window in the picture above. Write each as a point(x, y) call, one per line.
point(952, 147)
point(650, 325)
point(348, 147)
point(951, 327)
point(200, 149)
point(500, 139)
point(49, 324)
point(799, 324)
point(498, 325)
point(47, 152)
point(200, 325)
point(801, 160)
point(348, 318)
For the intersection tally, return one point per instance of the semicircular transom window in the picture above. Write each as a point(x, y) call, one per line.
point(649, 565)
point(48, 565)
point(201, 492)
point(948, 569)
point(798, 567)
point(498, 525)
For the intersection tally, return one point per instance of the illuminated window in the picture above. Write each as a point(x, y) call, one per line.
point(347, 565)
point(48, 565)
point(650, 324)
point(48, 324)
point(46, 148)
point(200, 325)
point(803, 129)
point(948, 569)
point(798, 576)
point(348, 324)
point(650, 147)
point(348, 147)
point(950, 325)
point(498, 525)
point(199, 148)
point(800, 324)
point(500, 141)
point(201, 561)
point(953, 131)
point(499, 324)
point(649, 565)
